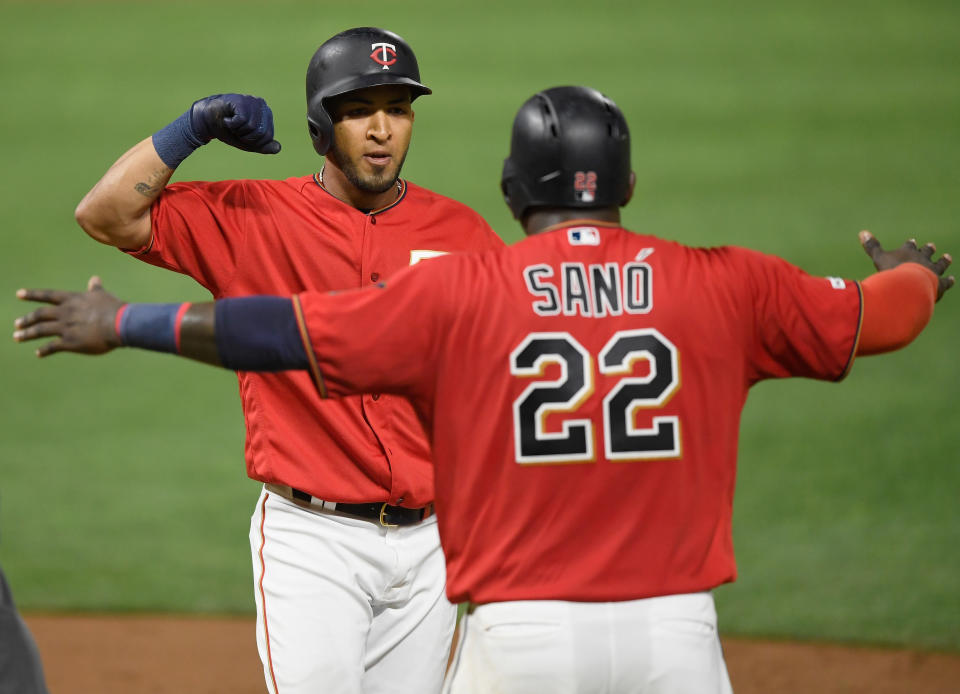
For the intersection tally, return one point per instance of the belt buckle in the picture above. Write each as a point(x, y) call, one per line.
point(383, 510)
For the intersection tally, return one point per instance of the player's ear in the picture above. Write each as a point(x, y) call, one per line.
point(629, 196)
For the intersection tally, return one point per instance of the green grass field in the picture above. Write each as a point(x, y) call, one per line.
point(785, 127)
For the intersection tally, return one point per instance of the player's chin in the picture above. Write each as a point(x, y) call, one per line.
point(380, 181)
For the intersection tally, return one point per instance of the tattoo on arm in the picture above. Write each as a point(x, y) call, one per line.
point(156, 183)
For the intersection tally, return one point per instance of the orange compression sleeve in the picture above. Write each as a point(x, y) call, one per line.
point(897, 305)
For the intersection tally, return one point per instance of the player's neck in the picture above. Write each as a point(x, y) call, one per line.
point(335, 182)
point(548, 219)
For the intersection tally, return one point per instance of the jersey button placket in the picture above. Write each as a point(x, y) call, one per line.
point(374, 278)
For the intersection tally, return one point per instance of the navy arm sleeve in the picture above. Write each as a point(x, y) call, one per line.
point(258, 333)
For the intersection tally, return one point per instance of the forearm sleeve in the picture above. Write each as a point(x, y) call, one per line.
point(897, 305)
point(259, 333)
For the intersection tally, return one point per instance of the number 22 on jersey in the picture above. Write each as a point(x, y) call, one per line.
point(622, 439)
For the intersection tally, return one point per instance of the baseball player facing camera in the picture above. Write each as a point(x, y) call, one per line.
point(348, 572)
point(583, 364)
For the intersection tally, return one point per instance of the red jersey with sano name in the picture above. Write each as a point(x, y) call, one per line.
point(582, 390)
point(282, 237)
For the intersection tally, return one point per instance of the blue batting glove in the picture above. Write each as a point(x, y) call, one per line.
point(239, 120)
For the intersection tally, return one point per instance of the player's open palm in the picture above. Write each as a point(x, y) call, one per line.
point(909, 252)
point(82, 321)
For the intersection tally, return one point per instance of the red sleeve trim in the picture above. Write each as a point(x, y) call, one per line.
point(118, 319)
point(184, 307)
point(856, 337)
point(145, 248)
point(308, 347)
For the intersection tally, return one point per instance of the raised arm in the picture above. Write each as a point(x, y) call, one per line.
point(116, 211)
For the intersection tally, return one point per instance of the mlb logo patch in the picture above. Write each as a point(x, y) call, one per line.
point(583, 236)
point(837, 283)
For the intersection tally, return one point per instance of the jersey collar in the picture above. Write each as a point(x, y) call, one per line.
point(581, 222)
point(401, 194)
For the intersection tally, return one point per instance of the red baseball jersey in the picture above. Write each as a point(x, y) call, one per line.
point(582, 391)
point(282, 237)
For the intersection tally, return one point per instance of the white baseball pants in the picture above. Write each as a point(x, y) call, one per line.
point(666, 645)
point(345, 605)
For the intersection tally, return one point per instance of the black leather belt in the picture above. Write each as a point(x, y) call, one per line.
point(384, 514)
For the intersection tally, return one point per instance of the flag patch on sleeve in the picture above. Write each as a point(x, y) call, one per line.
point(837, 283)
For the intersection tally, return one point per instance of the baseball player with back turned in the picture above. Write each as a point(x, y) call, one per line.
point(348, 572)
point(582, 391)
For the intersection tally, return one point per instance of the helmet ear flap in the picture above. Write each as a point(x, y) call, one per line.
point(511, 185)
point(505, 179)
point(320, 126)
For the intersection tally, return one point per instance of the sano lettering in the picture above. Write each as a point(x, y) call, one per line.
point(593, 291)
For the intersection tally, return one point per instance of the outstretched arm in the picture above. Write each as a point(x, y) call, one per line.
point(898, 300)
point(257, 333)
point(264, 334)
point(116, 211)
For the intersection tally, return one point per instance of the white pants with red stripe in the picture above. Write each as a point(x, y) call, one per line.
point(345, 605)
point(666, 645)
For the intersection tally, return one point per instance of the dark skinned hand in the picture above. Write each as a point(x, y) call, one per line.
point(909, 252)
point(82, 321)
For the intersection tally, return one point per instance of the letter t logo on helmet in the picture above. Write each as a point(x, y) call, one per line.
point(384, 53)
point(356, 59)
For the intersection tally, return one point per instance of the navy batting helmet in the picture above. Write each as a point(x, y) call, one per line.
point(351, 60)
point(570, 148)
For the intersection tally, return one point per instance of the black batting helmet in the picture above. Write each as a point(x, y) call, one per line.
point(351, 60)
point(570, 148)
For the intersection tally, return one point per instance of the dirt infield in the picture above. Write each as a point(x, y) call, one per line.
point(174, 655)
